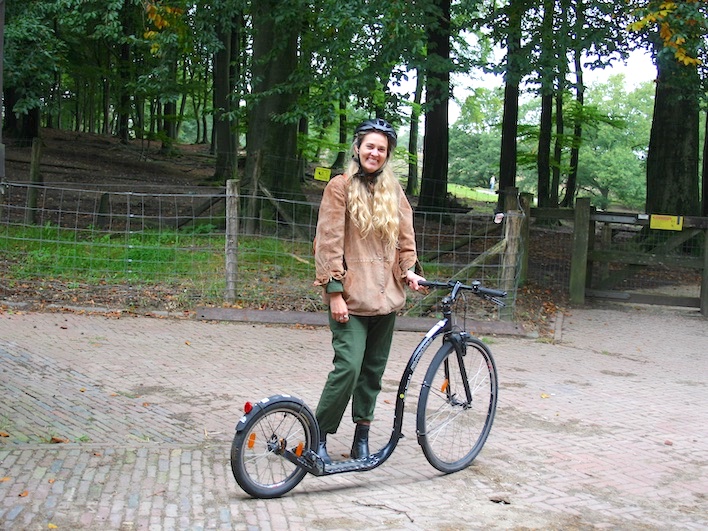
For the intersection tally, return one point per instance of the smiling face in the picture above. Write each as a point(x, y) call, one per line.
point(373, 151)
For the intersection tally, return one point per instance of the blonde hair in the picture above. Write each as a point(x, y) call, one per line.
point(374, 209)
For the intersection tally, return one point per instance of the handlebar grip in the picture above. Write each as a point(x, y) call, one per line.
point(434, 284)
point(491, 292)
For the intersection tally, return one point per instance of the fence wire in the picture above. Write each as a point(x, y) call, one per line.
point(156, 248)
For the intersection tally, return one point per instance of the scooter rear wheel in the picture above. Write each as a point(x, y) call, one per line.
point(274, 424)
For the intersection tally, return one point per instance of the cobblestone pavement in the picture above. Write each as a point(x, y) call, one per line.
point(125, 423)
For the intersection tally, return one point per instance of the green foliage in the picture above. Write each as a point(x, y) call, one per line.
point(84, 61)
point(474, 157)
point(612, 150)
point(612, 163)
point(32, 54)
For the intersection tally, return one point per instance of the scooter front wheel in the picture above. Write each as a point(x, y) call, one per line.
point(457, 404)
point(274, 424)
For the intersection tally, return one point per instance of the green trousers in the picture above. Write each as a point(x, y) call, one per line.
point(361, 349)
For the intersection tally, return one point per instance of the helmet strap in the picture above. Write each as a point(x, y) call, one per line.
point(369, 176)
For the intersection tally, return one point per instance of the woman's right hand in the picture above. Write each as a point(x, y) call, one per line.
point(338, 307)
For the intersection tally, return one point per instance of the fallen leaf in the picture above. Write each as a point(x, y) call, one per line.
point(146, 404)
point(51, 481)
point(3, 480)
point(23, 494)
point(58, 440)
point(668, 443)
point(187, 343)
point(52, 526)
point(4, 434)
point(83, 389)
point(544, 395)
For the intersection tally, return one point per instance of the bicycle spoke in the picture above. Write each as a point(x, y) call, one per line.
point(454, 415)
point(256, 460)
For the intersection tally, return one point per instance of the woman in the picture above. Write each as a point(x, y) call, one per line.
point(364, 253)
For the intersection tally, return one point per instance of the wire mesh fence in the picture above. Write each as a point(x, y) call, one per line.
point(156, 248)
point(624, 258)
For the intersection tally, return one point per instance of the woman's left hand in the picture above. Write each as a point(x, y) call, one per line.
point(412, 280)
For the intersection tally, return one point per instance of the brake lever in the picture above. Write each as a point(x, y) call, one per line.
point(496, 301)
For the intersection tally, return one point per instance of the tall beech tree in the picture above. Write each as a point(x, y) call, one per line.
point(678, 32)
point(271, 137)
point(433, 186)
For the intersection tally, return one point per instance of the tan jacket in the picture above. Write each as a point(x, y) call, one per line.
point(373, 277)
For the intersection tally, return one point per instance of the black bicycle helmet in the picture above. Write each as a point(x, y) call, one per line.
point(380, 125)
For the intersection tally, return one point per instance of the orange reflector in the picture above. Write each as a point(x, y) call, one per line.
point(252, 440)
point(299, 449)
point(445, 385)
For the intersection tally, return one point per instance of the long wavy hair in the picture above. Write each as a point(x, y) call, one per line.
point(374, 203)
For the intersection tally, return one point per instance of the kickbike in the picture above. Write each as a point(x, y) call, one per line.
point(276, 440)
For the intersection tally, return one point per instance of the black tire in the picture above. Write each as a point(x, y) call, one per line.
point(258, 468)
point(452, 428)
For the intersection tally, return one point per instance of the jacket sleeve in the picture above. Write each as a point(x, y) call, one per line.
point(407, 254)
point(329, 248)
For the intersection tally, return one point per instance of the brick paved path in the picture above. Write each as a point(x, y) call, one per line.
point(604, 428)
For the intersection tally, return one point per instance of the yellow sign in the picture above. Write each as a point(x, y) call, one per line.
point(322, 174)
point(663, 222)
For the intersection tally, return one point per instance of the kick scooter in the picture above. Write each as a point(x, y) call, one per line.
point(276, 440)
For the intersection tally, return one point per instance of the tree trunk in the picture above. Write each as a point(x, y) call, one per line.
point(543, 163)
point(224, 122)
point(704, 173)
point(672, 160)
point(412, 183)
point(561, 53)
point(569, 198)
point(169, 109)
point(275, 59)
point(433, 188)
point(510, 119)
point(557, 150)
point(124, 103)
point(341, 160)
point(546, 73)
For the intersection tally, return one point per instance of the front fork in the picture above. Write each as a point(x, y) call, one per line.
point(459, 341)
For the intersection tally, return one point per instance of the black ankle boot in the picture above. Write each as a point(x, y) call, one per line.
point(360, 446)
point(322, 450)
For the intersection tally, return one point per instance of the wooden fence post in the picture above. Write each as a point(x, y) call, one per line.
point(231, 239)
point(510, 260)
point(579, 261)
point(510, 256)
point(35, 182)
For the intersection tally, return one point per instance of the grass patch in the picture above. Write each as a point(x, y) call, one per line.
point(482, 195)
point(144, 257)
point(151, 268)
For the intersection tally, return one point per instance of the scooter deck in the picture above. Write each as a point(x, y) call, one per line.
point(313, 463)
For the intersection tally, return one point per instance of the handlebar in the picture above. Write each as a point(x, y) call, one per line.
point(493, 295)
